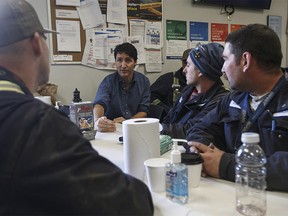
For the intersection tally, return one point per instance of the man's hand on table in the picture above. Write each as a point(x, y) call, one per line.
point(211, 156)
point(105, 125)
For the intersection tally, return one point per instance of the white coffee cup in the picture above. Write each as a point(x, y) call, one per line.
point(193, 162)
point(155, 172)
point(45, 99)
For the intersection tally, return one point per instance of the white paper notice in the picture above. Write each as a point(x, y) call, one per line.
point(124, 28)
point(104, 43)
point(138, 42)
point(112, 42)
point(69, 37)
point(99, 49)
point(153, 35)
point(153, 60)
point(175, 49)
point(70, 14)
point(90, 14)
point(68, 58)
point(88, 58)
point(117, 31)
point(137, 27)
point(100, 43)
point(117, 11)
point(68, 2)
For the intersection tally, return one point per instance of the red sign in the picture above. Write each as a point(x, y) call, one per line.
point(219, 32)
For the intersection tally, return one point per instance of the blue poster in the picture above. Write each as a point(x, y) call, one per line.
point(198, 31)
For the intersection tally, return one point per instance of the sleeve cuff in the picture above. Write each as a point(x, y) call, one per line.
point(227, 167)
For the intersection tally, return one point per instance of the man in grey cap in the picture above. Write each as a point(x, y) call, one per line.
point(46, 166)
point(166, 89)
point(204, 90)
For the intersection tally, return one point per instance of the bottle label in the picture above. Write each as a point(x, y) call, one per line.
point(177, 183)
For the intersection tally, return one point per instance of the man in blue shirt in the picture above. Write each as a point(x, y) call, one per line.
point(122, 95)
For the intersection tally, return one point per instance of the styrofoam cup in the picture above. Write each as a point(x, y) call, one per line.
point(155, 172)
point(45, 99)
point(194, 173)
point(193, 162)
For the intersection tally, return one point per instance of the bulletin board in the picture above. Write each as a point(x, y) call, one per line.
point(76, 56)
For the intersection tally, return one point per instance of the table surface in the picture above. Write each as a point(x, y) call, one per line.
point(212, 197)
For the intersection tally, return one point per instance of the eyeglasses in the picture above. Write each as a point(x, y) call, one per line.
point(42, 34)
point(198, 51)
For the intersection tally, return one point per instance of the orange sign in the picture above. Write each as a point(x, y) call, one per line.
point(235, 27)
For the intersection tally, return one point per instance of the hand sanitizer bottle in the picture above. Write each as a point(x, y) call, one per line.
point(176, 177)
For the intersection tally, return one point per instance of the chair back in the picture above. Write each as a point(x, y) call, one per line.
point(156, 111)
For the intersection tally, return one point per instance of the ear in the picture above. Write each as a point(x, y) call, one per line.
point(199, 72)
point(36, 44)
point(135, 63)
point(246, 60)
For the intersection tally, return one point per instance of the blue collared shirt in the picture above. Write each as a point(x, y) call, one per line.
point(119, 103)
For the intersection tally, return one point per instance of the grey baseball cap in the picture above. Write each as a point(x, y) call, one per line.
point(18, 21)
point(185, 54)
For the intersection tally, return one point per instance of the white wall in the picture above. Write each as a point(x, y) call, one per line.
point(69, 77)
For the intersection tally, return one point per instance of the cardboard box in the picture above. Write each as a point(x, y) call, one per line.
point(82, 115)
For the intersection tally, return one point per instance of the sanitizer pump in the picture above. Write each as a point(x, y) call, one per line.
point(176, 177)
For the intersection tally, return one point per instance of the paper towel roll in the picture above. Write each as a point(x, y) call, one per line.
point(141, 141)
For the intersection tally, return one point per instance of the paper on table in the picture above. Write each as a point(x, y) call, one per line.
point(161, 203)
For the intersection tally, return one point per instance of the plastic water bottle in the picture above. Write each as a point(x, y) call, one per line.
point(250, 175)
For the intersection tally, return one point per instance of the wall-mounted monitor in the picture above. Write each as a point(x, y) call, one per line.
point(250, 4)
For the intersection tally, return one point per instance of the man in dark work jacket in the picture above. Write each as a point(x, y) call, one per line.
point(46, 166)
point(204, 90)
point(258, 103)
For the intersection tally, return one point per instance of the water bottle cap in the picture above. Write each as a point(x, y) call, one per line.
point(250, 137)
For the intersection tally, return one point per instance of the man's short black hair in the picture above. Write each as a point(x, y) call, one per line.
point(127, 48)
point(261, 41)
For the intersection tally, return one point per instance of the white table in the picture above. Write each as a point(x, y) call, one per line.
point(213, 196)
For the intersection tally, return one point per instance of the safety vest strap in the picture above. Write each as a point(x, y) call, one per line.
point(176, 89)
point(9, 86)
point(175, 80)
